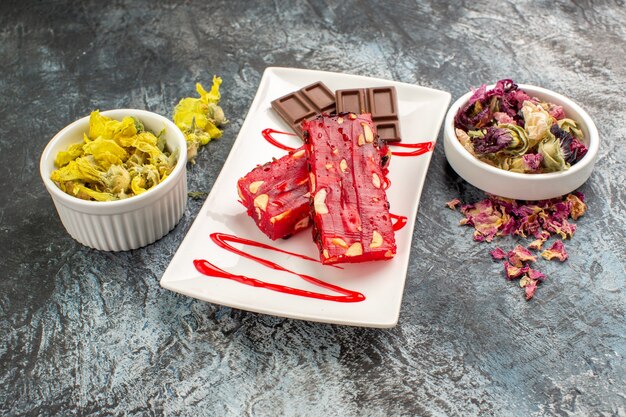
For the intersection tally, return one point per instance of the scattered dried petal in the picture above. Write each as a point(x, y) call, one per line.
point(578, 205)
point(453, 203)
point(557, 250)
point(536, 244)
point(530, 286)
point(497, 216)
point(536, 275)
point(511, 271)
point(498, 253)
point(520, 254)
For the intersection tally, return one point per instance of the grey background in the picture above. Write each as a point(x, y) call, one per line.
point(84, 332)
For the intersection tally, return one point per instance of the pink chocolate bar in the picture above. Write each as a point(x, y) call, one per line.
point(351, 221)
point(276, 195)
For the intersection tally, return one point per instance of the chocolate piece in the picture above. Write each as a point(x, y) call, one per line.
point(305, 104)
point(380, 102)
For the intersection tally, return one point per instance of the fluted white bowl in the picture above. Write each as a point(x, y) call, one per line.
point(123, 224)
point(514, 184)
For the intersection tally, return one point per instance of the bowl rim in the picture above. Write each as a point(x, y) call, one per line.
point(589, 158)
point(117, 205)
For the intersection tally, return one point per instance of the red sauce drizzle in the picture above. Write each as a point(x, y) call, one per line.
point(267, 135)
point(221, 239)
point(420, 148)
point(400, 221)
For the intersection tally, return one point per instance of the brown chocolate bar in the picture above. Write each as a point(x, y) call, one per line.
point(380, 102)
point(305, 104)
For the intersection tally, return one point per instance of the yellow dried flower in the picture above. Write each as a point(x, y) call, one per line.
point(117, 159)
point(199, 118)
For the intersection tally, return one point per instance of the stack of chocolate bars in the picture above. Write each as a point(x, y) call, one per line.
point(337, 180)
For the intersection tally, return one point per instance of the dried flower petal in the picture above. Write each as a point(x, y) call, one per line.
point(578, 148)
point(199, 118)
point(536, 275)
point(570, 126)
point(486, 220)
point(532, 162)
point(573, 149)
point(465, 140)
point(498, 253)
point(530, 286)
point(503, 118)
point(496, 139)
point(477, 113)
point(553, 156)
point(537, 122)
point(557, 224)
point(557, 250)
point(511, 271)
point(556, 111)
point(536, 244)
point(453, 203)
point(578, 205)
point(520, 254)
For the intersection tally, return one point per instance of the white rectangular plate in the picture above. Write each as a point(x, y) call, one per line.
point(421, 112)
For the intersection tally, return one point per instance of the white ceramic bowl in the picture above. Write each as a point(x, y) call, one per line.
point(124, 224)
point(513, 184)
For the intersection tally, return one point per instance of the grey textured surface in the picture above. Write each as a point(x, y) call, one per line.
point(84, 332)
